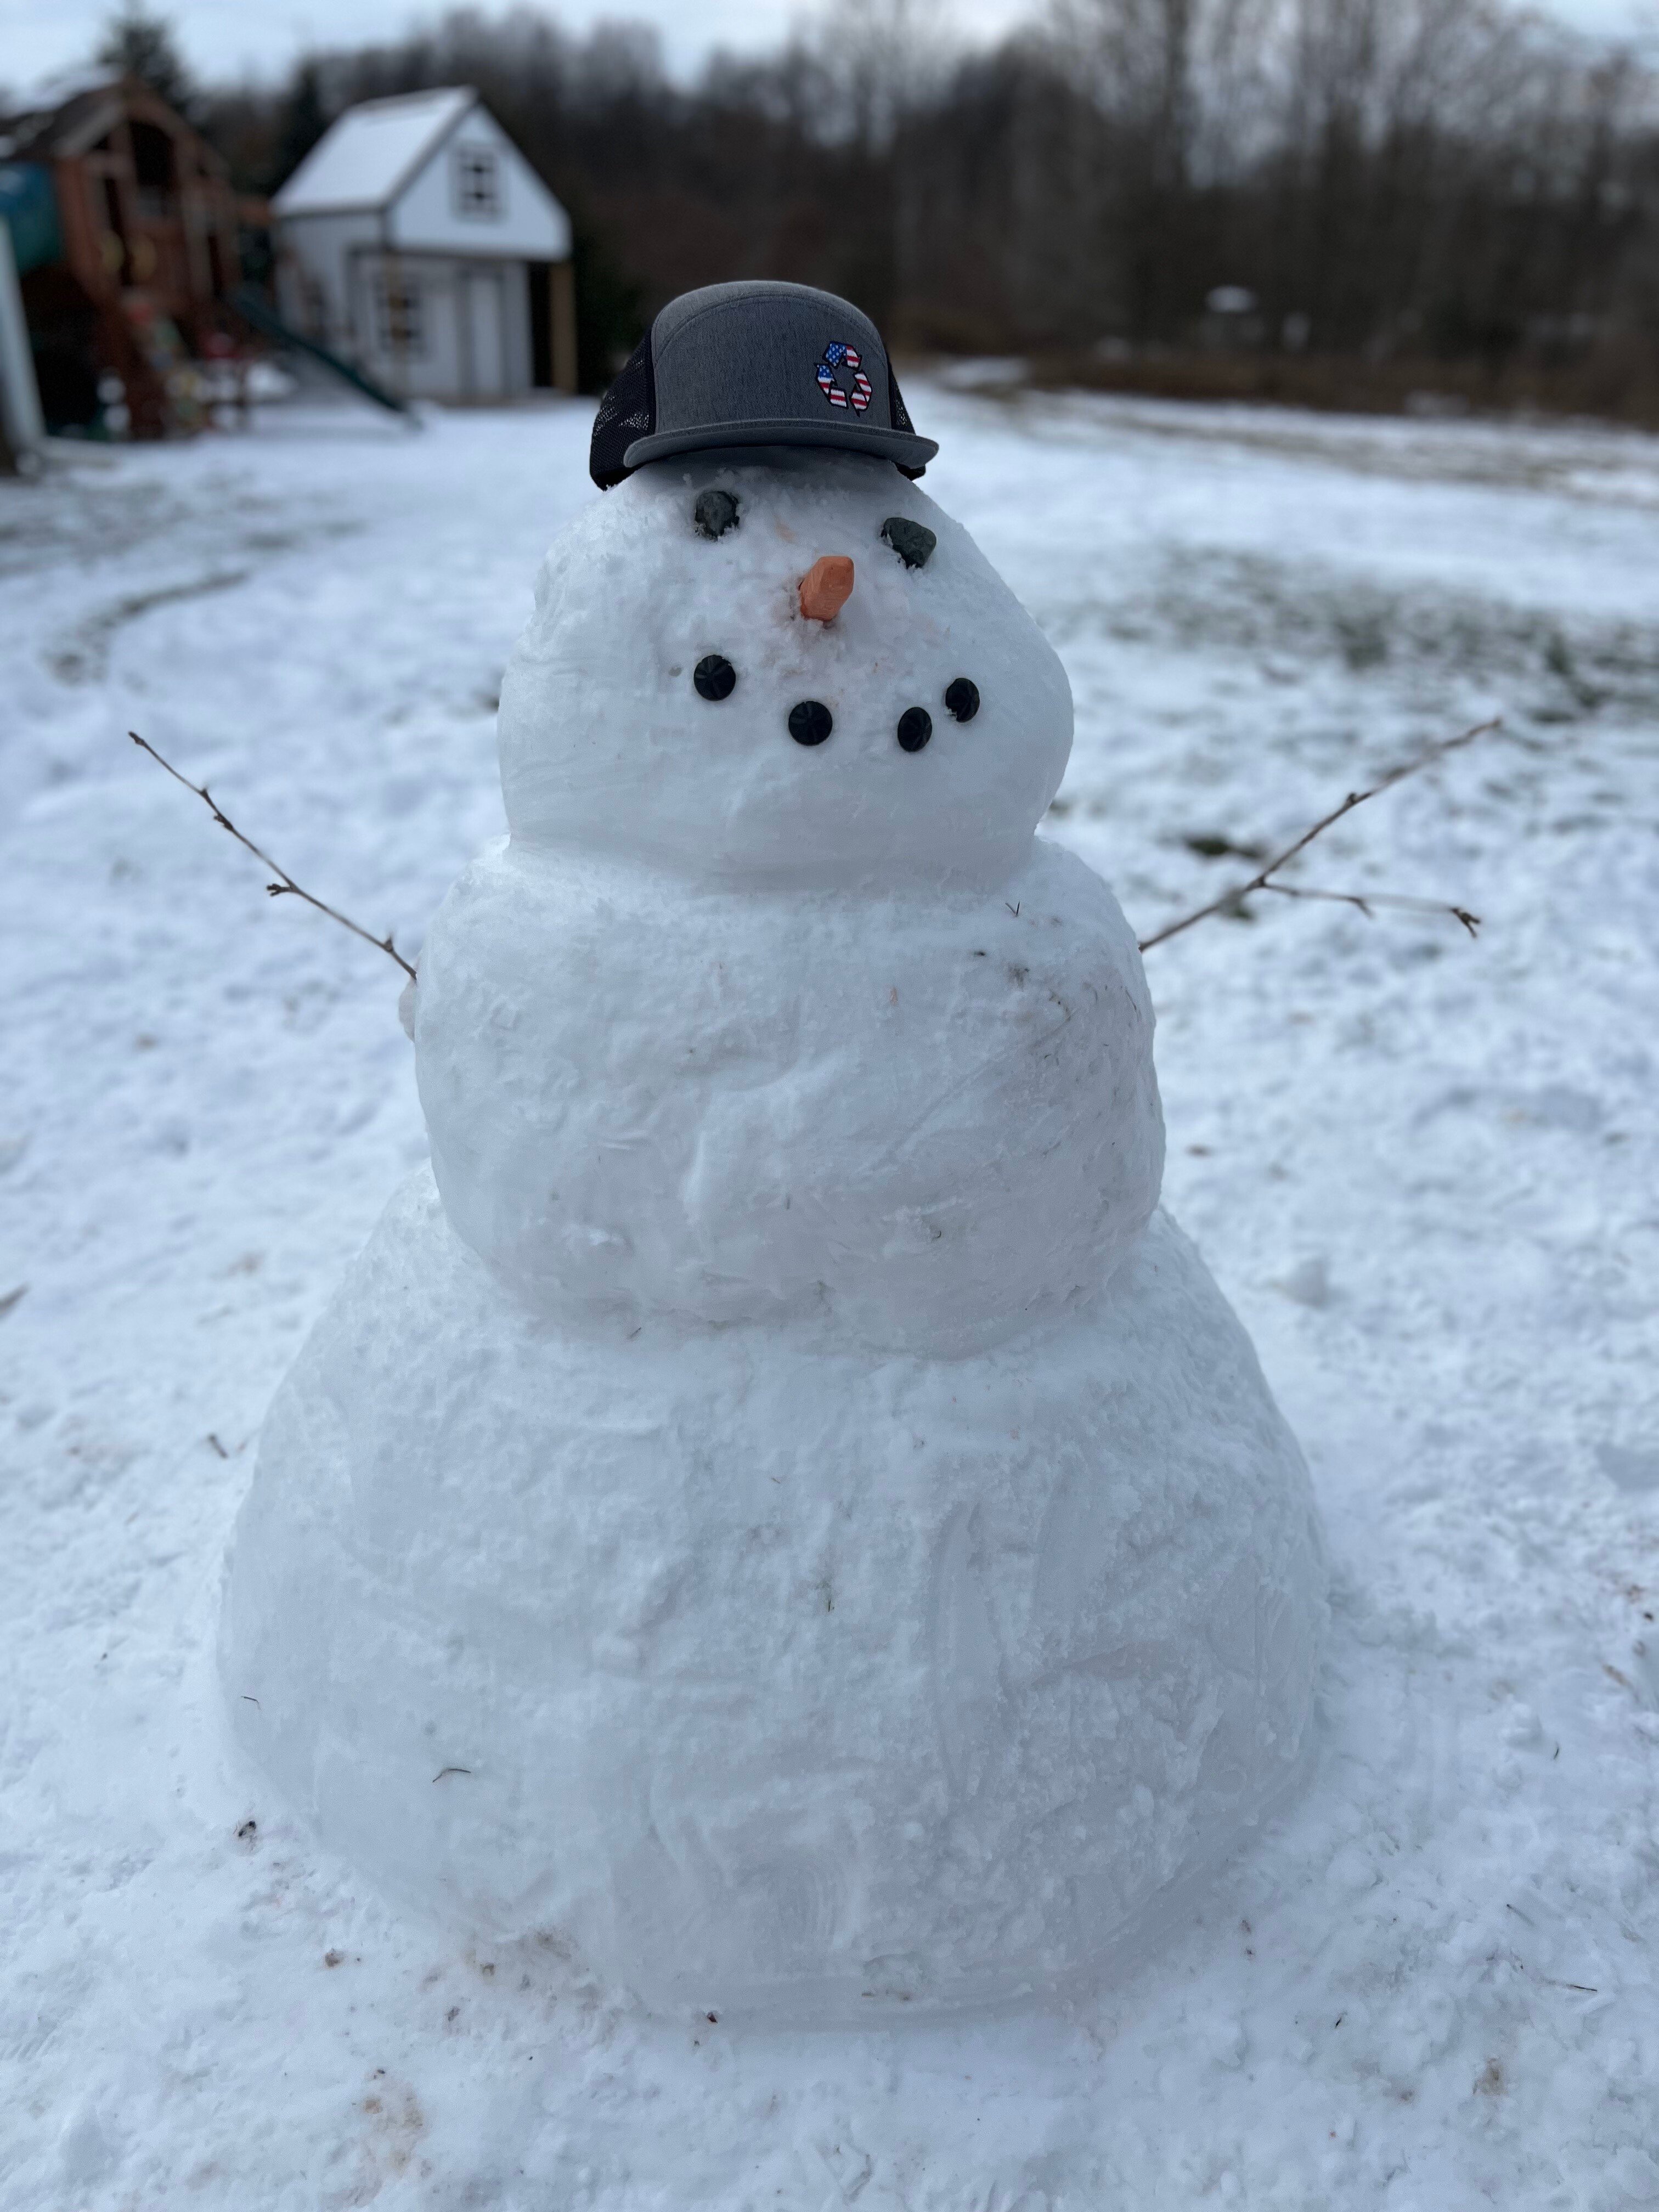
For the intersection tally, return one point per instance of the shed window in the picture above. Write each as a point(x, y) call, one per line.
point(477, 182)
point(400, 325)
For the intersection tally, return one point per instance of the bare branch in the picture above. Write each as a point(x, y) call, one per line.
point(1231, 901)
point(285, 884)
point(1366, 900)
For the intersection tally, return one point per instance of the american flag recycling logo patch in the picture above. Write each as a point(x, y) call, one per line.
point(841, 380)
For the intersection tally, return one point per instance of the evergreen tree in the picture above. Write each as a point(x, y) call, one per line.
point(305, 119)
point(142, 45)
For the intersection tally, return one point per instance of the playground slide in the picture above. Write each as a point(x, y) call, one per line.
point(263, 318)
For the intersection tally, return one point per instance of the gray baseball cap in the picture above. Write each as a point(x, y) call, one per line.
point(755, 363)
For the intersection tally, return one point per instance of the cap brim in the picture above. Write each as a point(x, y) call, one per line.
point(902, 448)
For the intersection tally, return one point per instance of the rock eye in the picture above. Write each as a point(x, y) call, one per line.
point(913, 541)
point(714, 677)
point(715, 513)
point(811, 722)
point(916, 726)
point(961, 698)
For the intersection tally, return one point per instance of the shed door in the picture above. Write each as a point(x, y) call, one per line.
point(486, 351)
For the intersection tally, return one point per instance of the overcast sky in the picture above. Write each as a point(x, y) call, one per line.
point(225, 39)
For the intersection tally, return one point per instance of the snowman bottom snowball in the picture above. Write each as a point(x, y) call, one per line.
point(776, 1505)
point(787, 1682)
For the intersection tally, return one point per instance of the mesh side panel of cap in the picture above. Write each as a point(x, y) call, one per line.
point(899, 415)
point(627, 412)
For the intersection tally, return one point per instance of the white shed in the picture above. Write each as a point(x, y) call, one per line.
point(416, 239)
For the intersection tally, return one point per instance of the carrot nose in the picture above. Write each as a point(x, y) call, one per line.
point(826, 587)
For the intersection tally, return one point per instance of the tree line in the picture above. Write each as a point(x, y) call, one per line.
point(1303, 195)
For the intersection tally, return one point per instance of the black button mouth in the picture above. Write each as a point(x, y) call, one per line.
point(715, 513)
point(811, 722)
point(714, 677)
point(961, 698)
point(916, 726)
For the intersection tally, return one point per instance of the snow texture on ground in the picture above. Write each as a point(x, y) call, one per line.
point(1423, 1170)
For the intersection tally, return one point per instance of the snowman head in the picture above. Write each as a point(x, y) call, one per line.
point(766, 656)
point(678, 695)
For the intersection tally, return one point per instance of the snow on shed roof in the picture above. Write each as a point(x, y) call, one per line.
point(365, 158)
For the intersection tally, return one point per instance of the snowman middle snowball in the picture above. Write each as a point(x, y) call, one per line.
point(742, 1025)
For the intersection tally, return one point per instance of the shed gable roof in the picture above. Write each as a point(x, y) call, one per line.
point(364, 160)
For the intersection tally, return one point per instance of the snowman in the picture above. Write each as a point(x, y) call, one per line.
point(777, 1505)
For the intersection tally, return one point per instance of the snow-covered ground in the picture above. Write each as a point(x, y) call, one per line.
point(1422, 1169)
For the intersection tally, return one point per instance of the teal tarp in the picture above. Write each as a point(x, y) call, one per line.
point(28, 208)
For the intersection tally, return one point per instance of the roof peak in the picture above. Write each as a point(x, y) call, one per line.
point(429, 97)
point(366, 157)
